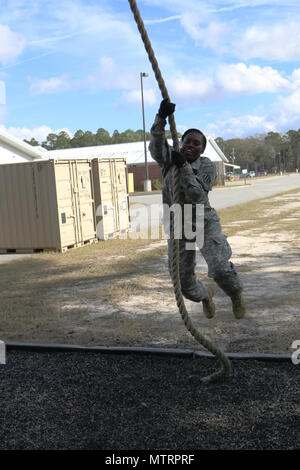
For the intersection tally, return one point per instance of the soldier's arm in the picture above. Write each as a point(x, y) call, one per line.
point(159, 147)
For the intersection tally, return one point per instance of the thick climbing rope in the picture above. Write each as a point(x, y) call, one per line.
point(226, 366)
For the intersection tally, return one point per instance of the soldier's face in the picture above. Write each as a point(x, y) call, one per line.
point(192, 146)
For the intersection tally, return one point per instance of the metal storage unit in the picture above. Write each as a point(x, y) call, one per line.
point(46, 205)
point(111, 196)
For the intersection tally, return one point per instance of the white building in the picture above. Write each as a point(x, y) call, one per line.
point(14, 150)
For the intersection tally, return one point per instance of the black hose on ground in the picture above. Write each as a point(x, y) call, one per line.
point(40, 347)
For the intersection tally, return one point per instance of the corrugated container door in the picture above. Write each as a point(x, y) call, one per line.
point(66, 203)
point(121, 192)
point(104, 199)
point(114, 190)
point(85, 199)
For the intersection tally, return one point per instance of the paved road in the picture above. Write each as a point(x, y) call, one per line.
point(233, 195)
point(256, 189)
point(147, 212)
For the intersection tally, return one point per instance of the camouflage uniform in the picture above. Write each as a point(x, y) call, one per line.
point(197, 180)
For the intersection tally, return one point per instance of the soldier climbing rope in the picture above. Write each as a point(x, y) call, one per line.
point(225, 363)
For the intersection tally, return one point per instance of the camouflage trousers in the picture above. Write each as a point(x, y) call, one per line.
point(217, 252)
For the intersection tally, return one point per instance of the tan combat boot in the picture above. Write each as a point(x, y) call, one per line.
point(238, 306)
point(208, 304)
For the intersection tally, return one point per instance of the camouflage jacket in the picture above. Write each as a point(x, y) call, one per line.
point(197, 178)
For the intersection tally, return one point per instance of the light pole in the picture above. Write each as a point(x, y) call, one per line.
point(147, 183)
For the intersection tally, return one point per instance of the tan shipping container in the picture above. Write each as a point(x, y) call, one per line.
point(111, 196)
point(46, 205)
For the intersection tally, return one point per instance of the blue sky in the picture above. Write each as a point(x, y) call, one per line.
point(232, 67)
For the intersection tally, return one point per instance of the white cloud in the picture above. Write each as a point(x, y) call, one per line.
point(295, 77)
point(108, 66)
point(240, 78)
point(49, 85)
point(283, 115)
point(292, 102)
point(162, 20)
point(39, 133)
point(113, 76)
point(134, 96)
point(205, 86)
point(279, 41)
point(11, 44)
point(193, 88)
point(52, 39)
point(230, 79)
point(262, 39)
point(210, 35)
point(240, 126)
point(287, 110)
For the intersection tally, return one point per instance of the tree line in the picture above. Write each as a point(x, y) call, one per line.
point(272, 152)
point(81, 138)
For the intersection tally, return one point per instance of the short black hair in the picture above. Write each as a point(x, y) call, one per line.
point(199, 132)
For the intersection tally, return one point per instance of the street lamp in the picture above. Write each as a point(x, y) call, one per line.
point(147, 184)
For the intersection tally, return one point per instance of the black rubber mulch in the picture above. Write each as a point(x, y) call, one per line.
point(95, 401)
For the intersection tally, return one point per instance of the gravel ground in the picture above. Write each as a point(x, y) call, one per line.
point(96, 401)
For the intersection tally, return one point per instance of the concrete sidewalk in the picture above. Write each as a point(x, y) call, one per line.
point(7, 257)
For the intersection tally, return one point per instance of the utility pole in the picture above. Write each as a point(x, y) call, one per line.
point(232, 156)
point(147, 182)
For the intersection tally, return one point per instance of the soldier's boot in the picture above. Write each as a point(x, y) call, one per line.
point(208, 304)
point(238, 306)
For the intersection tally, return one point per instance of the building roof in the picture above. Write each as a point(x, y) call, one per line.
point(16, 150)
point(133, 152)
point(213, 151)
